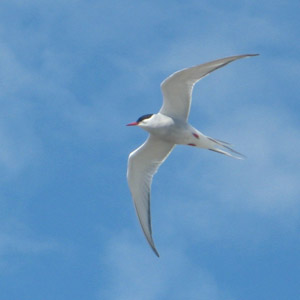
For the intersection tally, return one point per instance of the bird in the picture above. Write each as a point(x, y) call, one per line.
point(168, 128)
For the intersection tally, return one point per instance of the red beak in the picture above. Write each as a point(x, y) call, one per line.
point(132, 124)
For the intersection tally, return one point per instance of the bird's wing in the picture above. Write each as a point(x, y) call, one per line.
point(177, 88)
point(143, 163)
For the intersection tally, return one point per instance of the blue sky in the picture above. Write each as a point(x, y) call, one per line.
point(72, 74)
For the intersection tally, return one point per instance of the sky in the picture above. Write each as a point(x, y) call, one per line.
point(72, 74)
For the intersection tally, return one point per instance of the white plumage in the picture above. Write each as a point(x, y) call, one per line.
point(166, 129)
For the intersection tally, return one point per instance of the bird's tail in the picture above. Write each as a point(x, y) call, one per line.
point(225, 149)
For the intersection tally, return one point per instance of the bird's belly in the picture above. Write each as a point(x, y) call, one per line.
point(174, 135)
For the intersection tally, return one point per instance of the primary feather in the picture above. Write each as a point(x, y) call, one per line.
point(168, 128)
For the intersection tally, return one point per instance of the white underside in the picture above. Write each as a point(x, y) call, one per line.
point(168, 128)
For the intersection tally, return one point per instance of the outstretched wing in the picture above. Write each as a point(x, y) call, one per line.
point(143, 163)
point(177, 88)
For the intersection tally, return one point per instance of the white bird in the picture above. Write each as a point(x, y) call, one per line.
point(167, 128)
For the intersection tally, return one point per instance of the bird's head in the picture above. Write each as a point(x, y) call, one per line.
point(142, 121)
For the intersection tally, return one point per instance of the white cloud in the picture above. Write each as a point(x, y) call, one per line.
point(131, 271)
point(16, 239)
point(245, 202)
point(19, 143)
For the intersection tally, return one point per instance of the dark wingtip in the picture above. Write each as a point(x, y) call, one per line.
point(151, 243)
point(155, 251)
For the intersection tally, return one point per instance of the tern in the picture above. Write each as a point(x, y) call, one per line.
point(167, 128)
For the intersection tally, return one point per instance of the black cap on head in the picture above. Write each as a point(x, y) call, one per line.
point(140, 119)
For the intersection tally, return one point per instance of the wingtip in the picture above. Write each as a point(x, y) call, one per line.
point(155, 251)
point(151, 243)
point(240, 156)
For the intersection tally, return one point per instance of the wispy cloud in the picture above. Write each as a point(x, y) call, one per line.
point(75, 73)
point(17, 239)
point(221, 199)
point(131, 273)
point(19, 142)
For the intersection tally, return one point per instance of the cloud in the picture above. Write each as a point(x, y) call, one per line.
point(19, 142)
point(77, 72)
point(33, 101)
point(245, 202)
point(16, 239)
point(130, 272)
point(200, 198)
point(241, 203)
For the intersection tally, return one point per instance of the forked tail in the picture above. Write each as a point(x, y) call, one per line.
point(231, 152)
